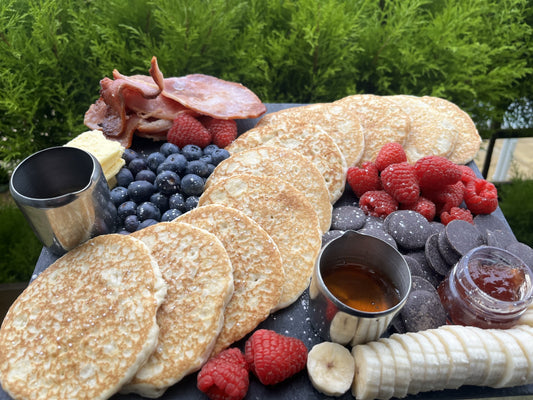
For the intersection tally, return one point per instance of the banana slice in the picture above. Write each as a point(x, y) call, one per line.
point(367, 373)
point(431, 362)
point(342, 328)
point(416, 359)
point(402, 367)
point(457, 355)
point(331, 368)
point(477, 354)
point(495, 367)
point(362, 332)
point(388, 371)
point(527, 317)
point(444, 361)
point(524, 340)
point(516, 361)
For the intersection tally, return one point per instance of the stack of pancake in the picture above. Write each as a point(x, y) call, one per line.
point(138, 313)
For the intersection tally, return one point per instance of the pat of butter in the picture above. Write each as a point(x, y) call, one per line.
point(107, 152)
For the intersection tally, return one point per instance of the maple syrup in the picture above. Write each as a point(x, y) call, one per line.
point(361, 287)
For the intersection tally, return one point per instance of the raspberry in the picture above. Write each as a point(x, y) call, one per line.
point(363, 179)
point(225, 376)
point(434, 172)
point(377, 203)
point(273, 357)
point(223, 131)
point(399, 180)
point(456, 213)
point(188, 130)
point(390, 153)
point(447, 197)
point(481, 196)
point(468, 174)
point(423, 206)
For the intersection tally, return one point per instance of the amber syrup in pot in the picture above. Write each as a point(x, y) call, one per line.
point(361, 287)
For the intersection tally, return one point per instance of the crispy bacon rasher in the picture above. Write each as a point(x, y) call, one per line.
point(146, 105)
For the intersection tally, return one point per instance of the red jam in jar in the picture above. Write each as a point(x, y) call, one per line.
point(488, 288)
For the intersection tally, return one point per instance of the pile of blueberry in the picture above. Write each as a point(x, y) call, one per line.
point(162, 185)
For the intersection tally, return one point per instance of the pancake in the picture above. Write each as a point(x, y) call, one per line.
point(336, 119)
point(468, 139)
point(382, 120)
point(85, 325)
point(285, 214)
point(199, 275)
point(430, 133)
point(257, 270)
point(283, 163)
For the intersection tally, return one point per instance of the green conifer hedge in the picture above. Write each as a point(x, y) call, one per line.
point(53, 53)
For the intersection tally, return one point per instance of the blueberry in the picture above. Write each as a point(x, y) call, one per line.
point(128, 155)
point(197, 167)
point(170, 215)
point(148, 210)
point(127, 208)
point(192, 185)
point(210, 148)
point(154, 159)
point(119, 195)
point(146, 223)
point(192, 152)
point(219, 155)
point(167, 182)
point(140, 190)
point(167, 166)
point(168, 148)
point(145, 175)
point(177, 201)
point(160, 200)
point(191, 202)
point(206, 158)
point(136, 165)
point(123, 232)
point(210, 169)
point(179, 160)
point(124, 177)
point(131, 223)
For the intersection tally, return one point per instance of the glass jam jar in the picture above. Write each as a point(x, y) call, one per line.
point(488, 288)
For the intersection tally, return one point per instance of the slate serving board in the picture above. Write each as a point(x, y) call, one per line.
point(293, 321)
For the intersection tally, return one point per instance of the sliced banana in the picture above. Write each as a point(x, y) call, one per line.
point(527, 317)
point(367, 373)
point(416, 359)
point(342, 328)
point(477, 353)
point(331, 368)
point(496, 364)
point(457, 355)
point(402, 366)
point(444, 360)
point(516, 361)
point(431, 361)
point(524, 340)
point(388, 370)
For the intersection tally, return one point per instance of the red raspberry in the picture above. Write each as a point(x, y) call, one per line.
point(273, 357)
point(456, 213)
point(447, 197)
point(423, 206)
point(188, 130)
point(481, 196)
point(390, 153)
point(225, 376)
point(434, 172)
point(363, 179)
point(223, 131)
point(377, 203)
point(399, 180)
point(468, 174)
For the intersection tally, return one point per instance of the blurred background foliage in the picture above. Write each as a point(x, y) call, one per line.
point(53, 53)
